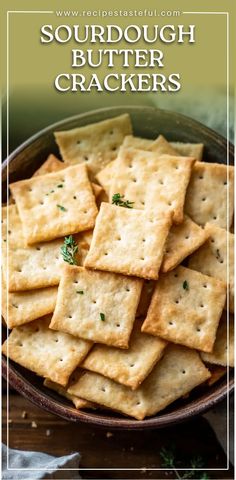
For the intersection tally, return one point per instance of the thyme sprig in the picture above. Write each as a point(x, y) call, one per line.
point(169, 461)
point(63, 209)
point(69, 250)
point(117, 199)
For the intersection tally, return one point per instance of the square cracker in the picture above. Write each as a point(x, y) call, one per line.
point(211, 258)
point(219, 354)
point(96, 144)
point(53, 355)
point(189, 149)
point(20, 308)
point(32, 267)
point(128, 241)
point(52, 164)
point(128, 367)
point(206, 197)
point(78, 402)
point(182, 240)
point(80, 314)
point(177, 373)
point(49, 211)
point(151, 181)
point(186, 308)
point(161, 146)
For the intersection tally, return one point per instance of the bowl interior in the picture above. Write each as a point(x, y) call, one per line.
point(148, 123)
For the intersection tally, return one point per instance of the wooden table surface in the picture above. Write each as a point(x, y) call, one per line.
point(118, 449)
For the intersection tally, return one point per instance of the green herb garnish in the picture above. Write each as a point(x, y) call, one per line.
point(170, 461)
point(117, 199)
point(60, 185)
point(102, 316)
point(80, 292)
point(63, 209)
point(185, 285)
point(69, 250)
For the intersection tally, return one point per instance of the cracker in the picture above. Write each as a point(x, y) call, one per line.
point(20, 308)
point(49, 211)
point(34, 267)
point(152, 181)
point(186, 308)
point(52, 164)
point(177, 373)
point(182, 240)
point(104, 312)
point(162, 147)
point(206, 197)
point(211, 258)
point(128, 241)
point(219, 353)
point(128, 367)
point(189, 149)
point(53, 355)
point(78, 402)
point(96, 144)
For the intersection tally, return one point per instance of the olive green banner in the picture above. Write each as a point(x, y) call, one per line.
point(38, 39)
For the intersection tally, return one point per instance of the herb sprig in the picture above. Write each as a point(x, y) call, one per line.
point(169, 461)
point(117, 199)
point(69, 250)
point(185, 285)
point(63, 209)
point(102, 316)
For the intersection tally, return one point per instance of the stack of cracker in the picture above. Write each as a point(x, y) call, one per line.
point(117, 260)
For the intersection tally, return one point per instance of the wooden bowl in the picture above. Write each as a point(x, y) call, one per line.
point(148, 123)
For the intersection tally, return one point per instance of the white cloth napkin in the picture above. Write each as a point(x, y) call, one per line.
point(51, 467)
